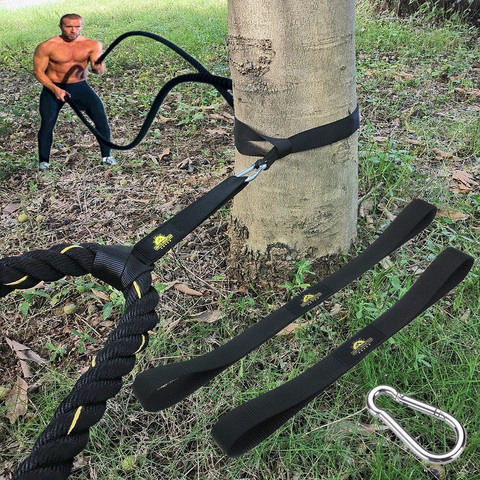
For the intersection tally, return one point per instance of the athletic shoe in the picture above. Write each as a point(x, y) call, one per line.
point(43, 165)
point(108, 161)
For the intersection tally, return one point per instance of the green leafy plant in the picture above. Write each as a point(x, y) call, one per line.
point(298, 282)
point(84, 338)
point(56, 351)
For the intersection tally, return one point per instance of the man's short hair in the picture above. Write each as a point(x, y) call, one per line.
point(70, 15)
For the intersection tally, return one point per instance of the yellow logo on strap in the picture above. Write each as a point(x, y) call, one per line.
point(161, 241)
point(360, 346)
point(308, 299)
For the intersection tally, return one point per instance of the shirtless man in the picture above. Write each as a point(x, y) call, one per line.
point(60, 65)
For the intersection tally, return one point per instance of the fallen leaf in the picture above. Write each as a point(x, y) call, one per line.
point(216, 131)
point(442, 154)
point(289, 329)
point(411, 141)
point(452, 215)
point(101, 295)
point(163, 120)
point(228, 116)
point(403, 75)
point(336, 309)
point(208, 316)
point(365, 208)
point(10, 208)
point(181, 287)
point(464, 177)
point(25, 354)
point(16, 402)
point(165, 152)
point(184, 163)
point(216, 116)
point(138, 200)
point(462, 91)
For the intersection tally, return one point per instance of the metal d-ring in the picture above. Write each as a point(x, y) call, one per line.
point(421, 407)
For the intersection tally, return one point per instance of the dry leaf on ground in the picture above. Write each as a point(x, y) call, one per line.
point(465, 182)
point(101, 295)
point(181, 287)
point(16, 401)
point(25, 354)
point(208, 316)
point(290, 329)
point(452, 215)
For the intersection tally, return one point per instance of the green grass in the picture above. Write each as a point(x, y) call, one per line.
point(409, 73)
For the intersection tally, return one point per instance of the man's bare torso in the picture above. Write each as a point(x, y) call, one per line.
point(68, 61)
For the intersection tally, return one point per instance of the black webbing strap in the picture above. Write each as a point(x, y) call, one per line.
point(246, 426)
point(309, 139)
point(163, 386)
point(119, 266)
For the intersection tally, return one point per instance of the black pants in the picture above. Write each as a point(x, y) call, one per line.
point(50, 107)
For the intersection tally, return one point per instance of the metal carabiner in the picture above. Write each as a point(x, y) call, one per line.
point(253, 176)
point(400, 432)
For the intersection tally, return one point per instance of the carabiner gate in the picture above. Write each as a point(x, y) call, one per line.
point(400, 432)
point(254, 175)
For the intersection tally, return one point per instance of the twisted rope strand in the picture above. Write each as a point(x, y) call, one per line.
point(27, 270)
point(67, 433)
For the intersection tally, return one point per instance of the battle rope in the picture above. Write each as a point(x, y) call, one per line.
point(127, 269)
point(164, 91)
point(163, 386)
point(67, 434)
point(178, 50)
point(222, 84)
point(245, 136)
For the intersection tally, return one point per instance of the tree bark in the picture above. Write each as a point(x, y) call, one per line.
point(293, 68)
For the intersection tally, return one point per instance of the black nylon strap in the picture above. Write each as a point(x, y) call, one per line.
point(313, 138)
point(163, 386)
point(120, 266)
point(246, 426)
point(157, 243)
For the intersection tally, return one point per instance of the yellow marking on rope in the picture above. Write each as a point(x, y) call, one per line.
point(94, 361)
point(137, 289)
point(16, 282)
point(144, 338)
point(75, 419)
point(66, 249)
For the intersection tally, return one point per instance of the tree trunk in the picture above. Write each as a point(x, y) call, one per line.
point(293, 68)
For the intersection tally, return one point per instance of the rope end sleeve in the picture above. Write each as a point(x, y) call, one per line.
point(117, 266)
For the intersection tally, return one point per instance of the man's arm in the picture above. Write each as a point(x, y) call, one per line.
point(40, 64)
point(94, 56)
